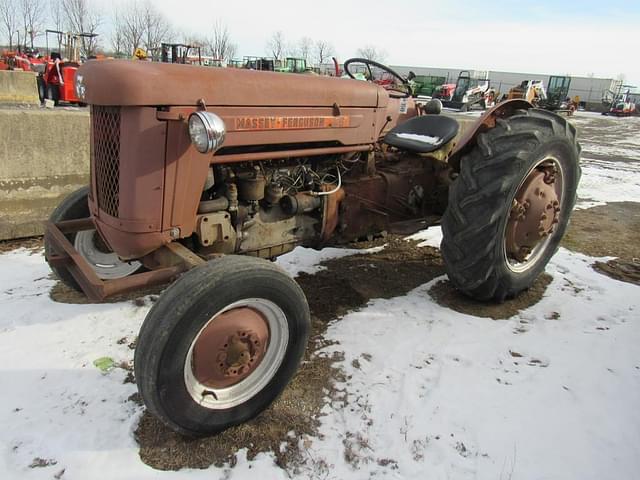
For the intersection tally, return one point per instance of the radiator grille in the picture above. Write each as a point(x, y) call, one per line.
point(105, 124)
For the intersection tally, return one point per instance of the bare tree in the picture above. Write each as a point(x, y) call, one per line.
point(276, 45)
point(140, 26)
point(219, 44)
point(83, 18)
point(118, 36)
point(9, 19)
point(304, 48)
point(156, 27)
point(370, 52)
point(231, 51)
point(32, 12)
point(56, 14)
point(323, 51)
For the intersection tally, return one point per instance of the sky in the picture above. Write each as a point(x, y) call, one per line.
point(544, 36)
point(575, 37)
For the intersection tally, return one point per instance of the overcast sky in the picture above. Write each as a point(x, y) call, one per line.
point(577, 37)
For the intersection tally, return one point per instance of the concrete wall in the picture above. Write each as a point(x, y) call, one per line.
point(18, 88)
point(44, 155)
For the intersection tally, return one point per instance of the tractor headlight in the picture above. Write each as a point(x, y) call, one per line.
point(81, 89)
point(207, 131)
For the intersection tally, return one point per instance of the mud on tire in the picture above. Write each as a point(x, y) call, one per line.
point(482, 196)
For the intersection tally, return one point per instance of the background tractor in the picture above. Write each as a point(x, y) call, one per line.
point(558, 96)
point(425, 85)
point(621, 104)
point(532, 91)
point(201, 176)
point(470, 91)
point(57, 81)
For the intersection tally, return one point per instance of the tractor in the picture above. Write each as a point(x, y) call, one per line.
point(57, 80)
point(532, 91)
point(426, 85)
point(622, 104)
point(557, 99)
point(292, 65)
point(201, 177)
point(470, 91)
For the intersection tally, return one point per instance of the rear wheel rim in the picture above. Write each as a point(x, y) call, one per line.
point(105, 263)
point(236, 353)
point(535, 213)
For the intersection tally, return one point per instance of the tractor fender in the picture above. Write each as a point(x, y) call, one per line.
point(484, 123)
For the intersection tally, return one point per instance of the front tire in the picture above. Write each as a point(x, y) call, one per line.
point(105, 263)
point(221, 344)
point(510, 205)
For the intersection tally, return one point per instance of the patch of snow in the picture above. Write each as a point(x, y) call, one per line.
point(438, 394)
point(431, 237)
point(602, 183)
point(307, 260)
point(421, 138)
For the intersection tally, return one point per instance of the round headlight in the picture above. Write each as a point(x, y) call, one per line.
point(207, 131)
point(81, 89)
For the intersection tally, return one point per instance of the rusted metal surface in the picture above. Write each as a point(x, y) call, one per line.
point(487, 121)
point(126, 83)
point(330, 216)
point(65, 255)
point(395, 194)
point(230, 347)
point(309, 152)
point(534, 213)
point(132, 225)
point(214, 230)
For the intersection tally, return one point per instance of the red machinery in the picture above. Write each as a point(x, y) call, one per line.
point(58, 80)
point(50, 86)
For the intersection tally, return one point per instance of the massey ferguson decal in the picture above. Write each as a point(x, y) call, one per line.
point(290, 123)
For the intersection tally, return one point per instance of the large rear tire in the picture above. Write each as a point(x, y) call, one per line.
point(510, 205)
point(221, 344)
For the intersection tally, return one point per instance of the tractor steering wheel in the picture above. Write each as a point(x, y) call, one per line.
point(403, 92)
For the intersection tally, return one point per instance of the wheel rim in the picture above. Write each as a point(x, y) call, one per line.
point(105, 263)
point(535, 213)
point(236, 353)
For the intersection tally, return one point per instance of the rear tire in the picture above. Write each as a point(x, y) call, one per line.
point(481, 203)
point(200, 397)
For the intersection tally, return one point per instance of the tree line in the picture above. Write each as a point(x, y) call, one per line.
point(139, 24)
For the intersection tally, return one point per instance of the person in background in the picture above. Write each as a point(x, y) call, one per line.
point(54, 75)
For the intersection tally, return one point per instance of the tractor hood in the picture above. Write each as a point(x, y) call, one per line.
point(140, 83)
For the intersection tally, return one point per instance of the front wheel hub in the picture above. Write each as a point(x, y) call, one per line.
point(230, 348)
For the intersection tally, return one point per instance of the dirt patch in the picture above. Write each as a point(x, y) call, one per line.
point(446, 295)
point(610, 230)
point(347, 283)
point(33, 244)
point(623, 270)
point(61, 293)
point(607, 230)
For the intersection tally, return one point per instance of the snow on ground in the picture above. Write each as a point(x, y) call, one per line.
point(610, 159)
point(551, 393)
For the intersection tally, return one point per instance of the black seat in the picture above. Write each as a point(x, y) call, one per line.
point(423, 134)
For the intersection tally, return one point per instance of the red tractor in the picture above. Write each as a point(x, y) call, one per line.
point(57, 82)
point(201, 176)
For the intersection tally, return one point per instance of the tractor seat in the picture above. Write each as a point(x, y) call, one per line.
point(423, 134)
